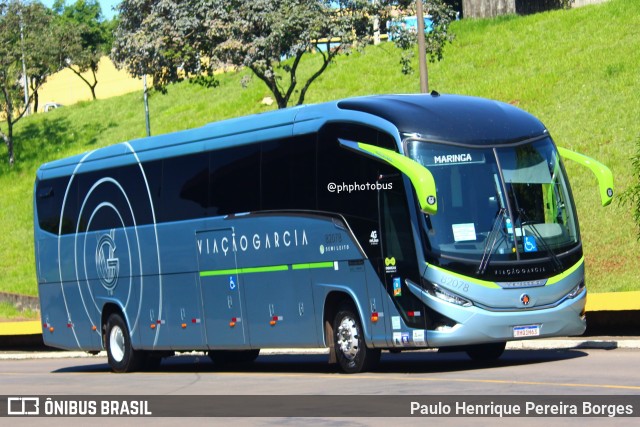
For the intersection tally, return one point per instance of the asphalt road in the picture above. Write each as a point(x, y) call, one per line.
point(567, 372)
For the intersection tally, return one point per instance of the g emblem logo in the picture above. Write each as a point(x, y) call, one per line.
point(107, 265)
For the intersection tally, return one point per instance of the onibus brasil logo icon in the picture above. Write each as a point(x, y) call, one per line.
point(107, 265)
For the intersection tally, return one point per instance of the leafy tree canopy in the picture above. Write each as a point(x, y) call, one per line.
point(169, 39)
point(25, 45)
point(84, 37)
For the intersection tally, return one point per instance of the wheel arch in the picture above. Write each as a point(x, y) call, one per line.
point(108, 309)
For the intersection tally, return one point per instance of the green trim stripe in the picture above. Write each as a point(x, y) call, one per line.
point(218, 272)
point(561, 276)
point(266, 269)
point(484, 283)
point(327, 264)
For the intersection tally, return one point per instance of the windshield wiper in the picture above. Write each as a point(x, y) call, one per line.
point(556, 262)
point(531, 224)
point(492, 240)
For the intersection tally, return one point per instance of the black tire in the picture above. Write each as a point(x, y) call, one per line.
point(486, 352)
point(121, 355)
point(229, 357)
point(350, 349)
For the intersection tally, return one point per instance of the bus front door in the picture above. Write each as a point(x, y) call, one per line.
point(398, 263)
point(222, 294)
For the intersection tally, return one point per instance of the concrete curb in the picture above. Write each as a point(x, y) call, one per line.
point(584, 344)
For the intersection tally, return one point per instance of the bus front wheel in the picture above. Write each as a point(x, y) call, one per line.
point(351, 352)
point(120, 354)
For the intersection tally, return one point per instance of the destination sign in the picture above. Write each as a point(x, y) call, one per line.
point(446, 159)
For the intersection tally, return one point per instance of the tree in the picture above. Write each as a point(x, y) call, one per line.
point(84, 38)
point(631, 196)
point(437, 34)
point(23, 33)
point(40, 54)
point(171, 39)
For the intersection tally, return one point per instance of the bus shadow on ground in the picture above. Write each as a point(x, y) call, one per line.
point(419, 362)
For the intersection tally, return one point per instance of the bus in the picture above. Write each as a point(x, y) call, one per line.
point(390, 222)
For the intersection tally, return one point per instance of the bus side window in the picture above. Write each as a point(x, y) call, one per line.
point(143, 189)
point(69, 210)
point(234, 180)
point(49, 197)
point(97, 187)
point(288, 174)
point(184, 187)
point(347, 180)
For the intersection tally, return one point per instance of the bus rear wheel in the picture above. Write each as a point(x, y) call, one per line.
point(486, 352)
point(120, 354)
point(351, 352)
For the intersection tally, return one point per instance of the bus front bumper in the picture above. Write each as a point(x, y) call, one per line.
point(476, 325)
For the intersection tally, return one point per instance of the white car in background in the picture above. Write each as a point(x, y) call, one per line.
point(51, 106)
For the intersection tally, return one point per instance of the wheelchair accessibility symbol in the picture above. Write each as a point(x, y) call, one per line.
point(232, 283)
point(530, 244)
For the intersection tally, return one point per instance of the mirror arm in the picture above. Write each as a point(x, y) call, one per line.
point(420, 177)
point(603, 173)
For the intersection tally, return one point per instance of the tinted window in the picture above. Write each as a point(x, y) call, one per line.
point(348, 181)
point(185, 187)
point(103, 204)
point(141, 190)
point(49, 196)
point(288, 174)
point(353, 174)
point(273, 175)
point(234, 180)
point(69, 212)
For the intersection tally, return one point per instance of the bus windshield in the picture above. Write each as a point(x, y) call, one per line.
point(500, 203)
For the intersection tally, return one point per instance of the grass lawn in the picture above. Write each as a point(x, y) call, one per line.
point(9, 312)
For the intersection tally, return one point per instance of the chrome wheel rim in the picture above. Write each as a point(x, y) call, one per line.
point(348, 338)
point(116, 343)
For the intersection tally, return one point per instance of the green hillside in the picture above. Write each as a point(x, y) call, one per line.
point(576, 70)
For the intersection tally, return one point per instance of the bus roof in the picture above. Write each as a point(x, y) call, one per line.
point(449, 118)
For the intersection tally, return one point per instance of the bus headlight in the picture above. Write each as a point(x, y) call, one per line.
point(447, 296)
point(576, 291)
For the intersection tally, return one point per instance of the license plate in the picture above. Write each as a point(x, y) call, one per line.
point(526, 331)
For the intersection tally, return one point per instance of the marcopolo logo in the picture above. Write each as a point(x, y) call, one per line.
point(107, 265)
